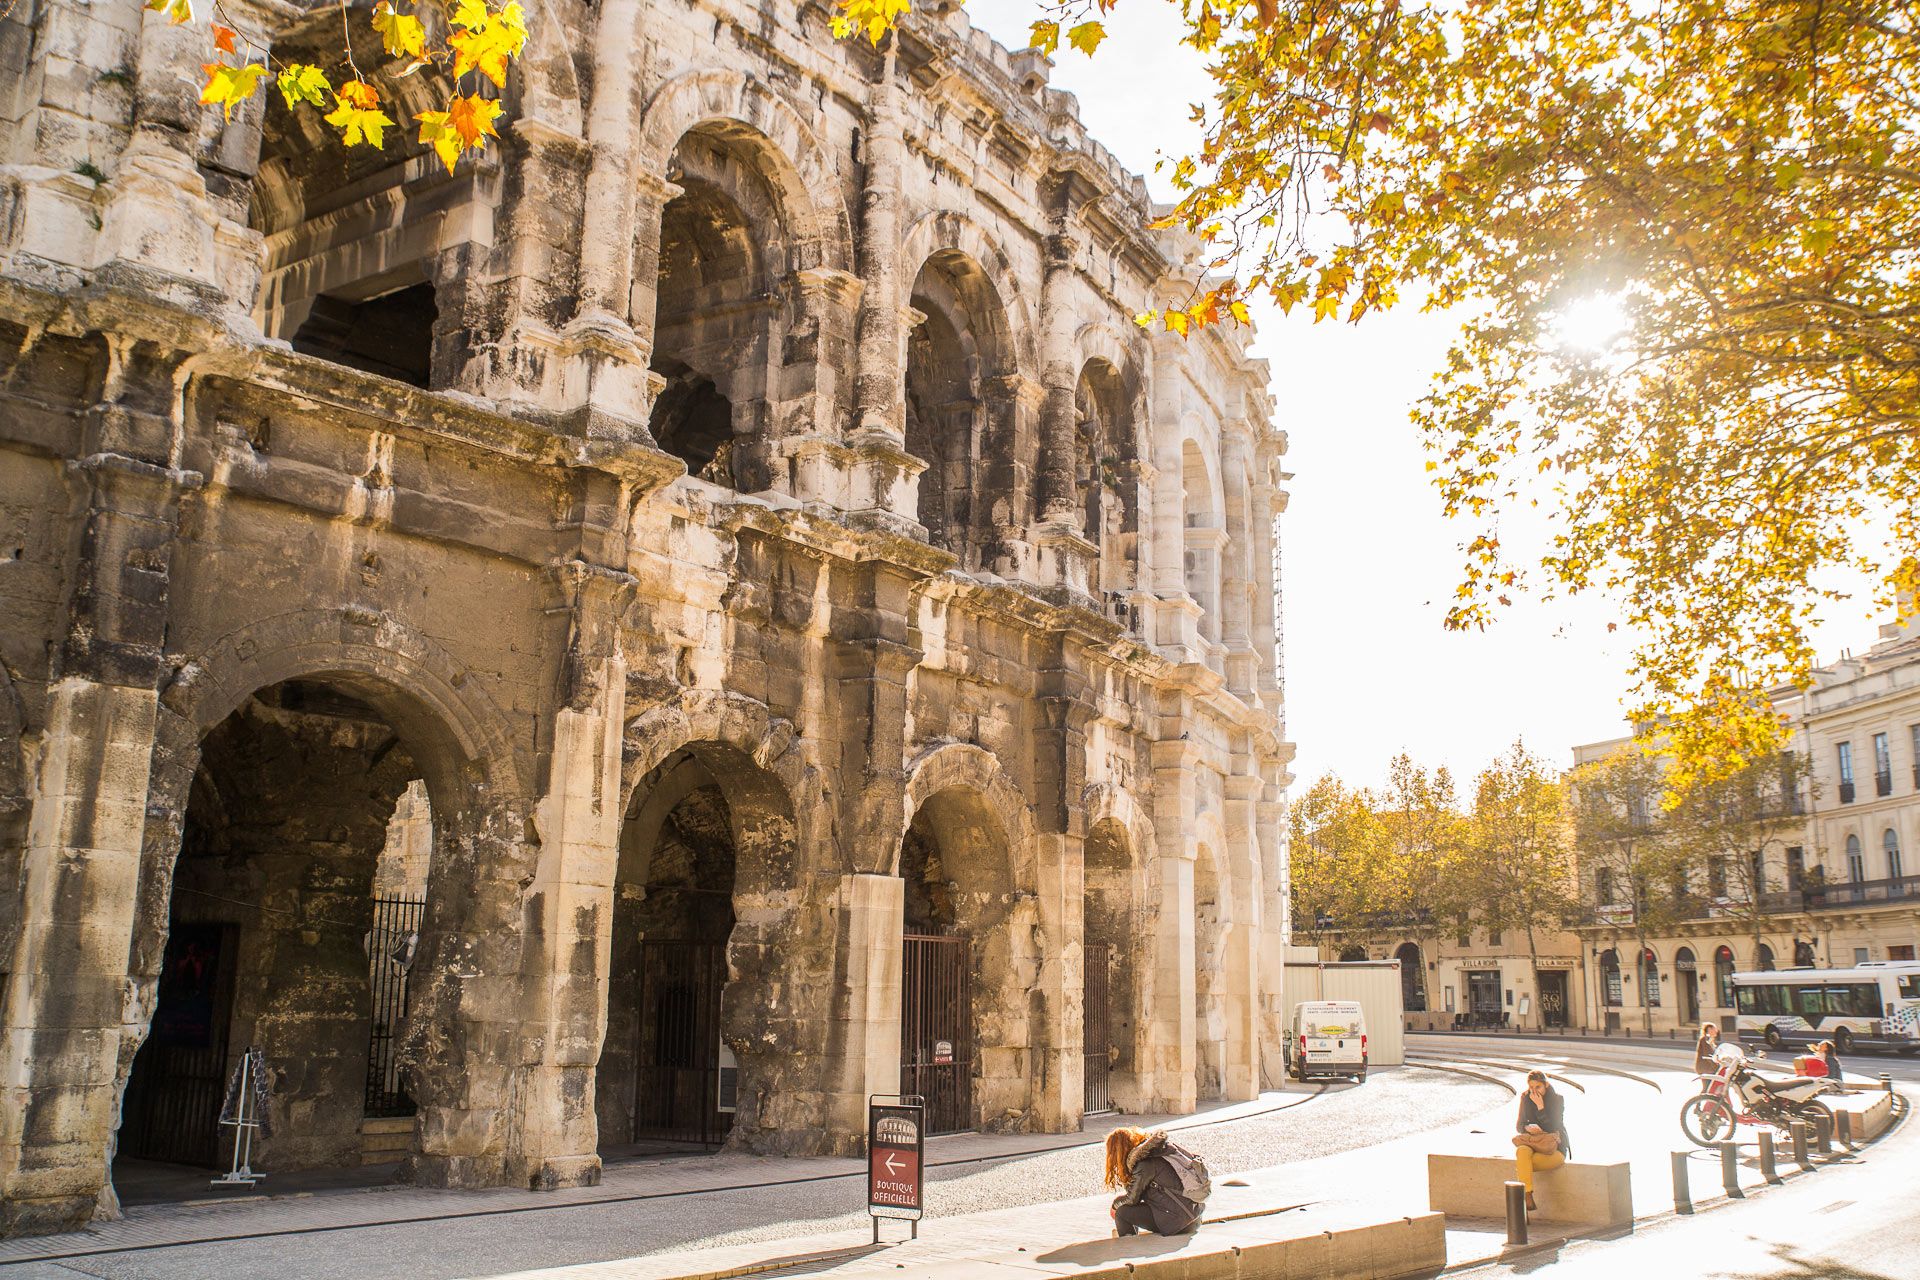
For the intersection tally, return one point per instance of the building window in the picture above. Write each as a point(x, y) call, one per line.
point(1846, 772)
point(1860, 955)
point(1723, 975)
point(1493, 935)
point(1903, 952)
point(1856, 862)
point(1650, 978)
point(1796, 867)
point(1882, 766)
point(1913, 732)
point(1611, 993)
point(1765, 956)
point(1603, 886)
point(1890, 841)
point(1465, 939)
point(1717, 878)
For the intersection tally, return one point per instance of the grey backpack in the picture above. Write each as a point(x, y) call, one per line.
point(1195, 1182)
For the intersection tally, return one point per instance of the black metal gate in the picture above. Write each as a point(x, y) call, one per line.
point(936, 1029)
point(677, 1088)
point(1097, 1037)
point(390, 950)
point(172, 1106)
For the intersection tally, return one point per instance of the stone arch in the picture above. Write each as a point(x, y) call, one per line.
point(747, 110)
point(968, 865)
point(1413, 977)
point(948, 231)
point(360, 705)
point(729, 719)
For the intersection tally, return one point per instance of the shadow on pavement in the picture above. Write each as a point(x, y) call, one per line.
point(1098, 1251)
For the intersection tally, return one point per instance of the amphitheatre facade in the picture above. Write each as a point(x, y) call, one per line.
point(711, 612)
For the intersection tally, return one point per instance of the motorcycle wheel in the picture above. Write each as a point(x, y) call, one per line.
point(1820, 1116)
point(1707, 1120)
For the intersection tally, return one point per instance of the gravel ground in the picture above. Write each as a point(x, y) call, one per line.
point(1341, 1119)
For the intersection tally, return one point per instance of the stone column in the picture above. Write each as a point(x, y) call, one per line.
point(1270, 816)
point(1240, 1078)
point(872, 920)
point(65, 1034)
point(887, 482)
point(1065, 707)
point(812, 462)
point(1268, 502)
point(1059, 495)
point(1170, 881)
point(565, 970)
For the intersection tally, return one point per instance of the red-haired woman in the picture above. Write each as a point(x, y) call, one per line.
point(1165, 1186)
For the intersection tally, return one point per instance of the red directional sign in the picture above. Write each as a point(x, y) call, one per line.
point(896, 1149)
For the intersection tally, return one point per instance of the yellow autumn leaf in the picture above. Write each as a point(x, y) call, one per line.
point(230, 85)
point(467, 121)
point(300, 82)
point(1086, 36)
point(358, 116)
point(179, 12)
point(401, 33)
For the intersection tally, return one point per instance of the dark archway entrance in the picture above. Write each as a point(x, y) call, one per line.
point(666, 1073)
point(1686, 980)
point(295, 910)
point(1413, 978)
point(1110, 934)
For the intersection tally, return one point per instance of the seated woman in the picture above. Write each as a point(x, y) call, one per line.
point(1156, 1197)
point(1540, 1137)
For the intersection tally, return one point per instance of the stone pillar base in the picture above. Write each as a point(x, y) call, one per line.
point(558, 1172)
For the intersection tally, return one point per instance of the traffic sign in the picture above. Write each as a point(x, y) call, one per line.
point(896, 1158)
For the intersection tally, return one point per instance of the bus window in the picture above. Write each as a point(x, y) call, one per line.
point(1809, 1002)
point(1910, 986)
point(1744, 999)
point(1857, 1000)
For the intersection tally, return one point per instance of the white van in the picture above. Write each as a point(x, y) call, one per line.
point(1329, 1039)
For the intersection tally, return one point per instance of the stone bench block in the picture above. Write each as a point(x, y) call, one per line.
point(1475, 1187)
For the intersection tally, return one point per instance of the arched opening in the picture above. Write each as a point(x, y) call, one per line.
point(1686, 981)
point(683, 1060)
point(1413, 978)
point(1104, 457)
point(1890, 845)
point(356, 236)
point(1110, 933)
point(1856, 861)
point(717, 316)
point(1204, 537)
point(1352, 952)
point(964, 1043)
point(1612, 990)
point(1763, 955)
point(1209, 976)
point(1649, 979)
point(1723, 969)
point(955, 412)
point(296, 909)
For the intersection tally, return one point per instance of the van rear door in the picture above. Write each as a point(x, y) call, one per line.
point(1332, 1033)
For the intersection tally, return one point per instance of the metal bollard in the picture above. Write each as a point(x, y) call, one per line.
point(1730, 1171)
point(1769, 1171)
point(1516, 1213)
point(1843, 1128)
point(1886, 1082)
point(1800, 1156)
point(1682, 1194)
point(1823, 1139)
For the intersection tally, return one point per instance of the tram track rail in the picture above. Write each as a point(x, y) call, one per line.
point(9, 1259)
point(1524, 1064)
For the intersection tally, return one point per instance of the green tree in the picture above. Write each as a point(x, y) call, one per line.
point(1333, 862)
point(1424, 855)
point(1522, 851)
point(1738, 183)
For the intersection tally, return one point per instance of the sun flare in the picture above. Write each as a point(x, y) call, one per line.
point(1591, 325)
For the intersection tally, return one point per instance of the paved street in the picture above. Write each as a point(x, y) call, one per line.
point(532, 1231)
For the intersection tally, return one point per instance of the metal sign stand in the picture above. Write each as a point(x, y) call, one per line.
point(246, 1118)
point(896, 1158)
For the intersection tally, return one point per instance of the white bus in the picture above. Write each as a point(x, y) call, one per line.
point(1875, 1005)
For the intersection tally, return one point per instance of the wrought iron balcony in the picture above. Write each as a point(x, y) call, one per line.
point(1883, 783)
point(1858, 893)
point(1846, 793)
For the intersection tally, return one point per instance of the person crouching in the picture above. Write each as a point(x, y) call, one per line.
point(1165, 1185)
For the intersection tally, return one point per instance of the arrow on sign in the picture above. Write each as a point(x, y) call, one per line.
point(892, 1168)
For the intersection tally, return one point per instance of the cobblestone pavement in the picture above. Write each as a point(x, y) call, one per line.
point(1393, 1102)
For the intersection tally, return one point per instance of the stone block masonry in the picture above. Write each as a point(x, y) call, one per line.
point(527, 648)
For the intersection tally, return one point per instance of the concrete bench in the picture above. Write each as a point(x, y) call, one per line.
point(1475, 1187)
point(1872, 1113)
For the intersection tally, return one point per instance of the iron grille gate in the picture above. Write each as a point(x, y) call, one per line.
point(390, 947)
point(172, 1108)
point(676, 1078)
point(1097, 1036)
point(936, 1029)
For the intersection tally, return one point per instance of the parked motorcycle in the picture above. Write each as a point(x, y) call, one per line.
point(1737, 1094)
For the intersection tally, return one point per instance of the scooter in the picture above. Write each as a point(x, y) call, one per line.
point(1736, 1094)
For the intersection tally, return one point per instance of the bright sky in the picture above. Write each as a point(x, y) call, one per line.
point(1369, 561)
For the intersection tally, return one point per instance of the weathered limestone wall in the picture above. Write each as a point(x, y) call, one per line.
point(753, 458)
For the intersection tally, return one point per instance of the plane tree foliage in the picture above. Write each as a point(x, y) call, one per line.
point(1738, 181)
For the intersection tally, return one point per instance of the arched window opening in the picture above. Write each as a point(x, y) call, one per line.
point(1890, 843)
point(717, 320)
point(1764, 954)
point(1612, 993)
point(957, 409)
point(1686, 982)
point(1650, 978)
point(1204, 537)
point(1856, 861)
point(1105, 473)
point(357, 236)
